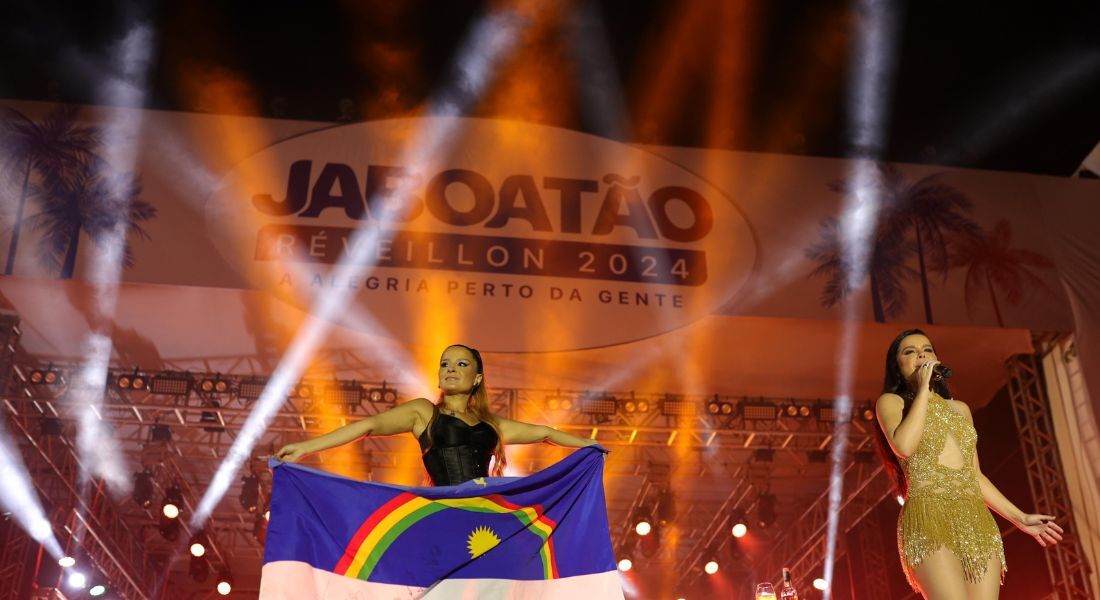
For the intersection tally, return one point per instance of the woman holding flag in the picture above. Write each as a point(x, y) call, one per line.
point(544, 536)
point(458, 436)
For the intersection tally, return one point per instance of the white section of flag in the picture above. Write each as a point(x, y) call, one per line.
point(292, 580)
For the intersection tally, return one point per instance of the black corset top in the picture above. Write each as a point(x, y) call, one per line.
point(458, 451)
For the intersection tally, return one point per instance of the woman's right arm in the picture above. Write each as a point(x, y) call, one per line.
point(399, 419)
point(904, 432)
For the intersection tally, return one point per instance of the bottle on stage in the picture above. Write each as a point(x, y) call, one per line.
point(787, 592)
point(765, 591)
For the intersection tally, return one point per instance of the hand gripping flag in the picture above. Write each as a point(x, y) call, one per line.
point(544, 537)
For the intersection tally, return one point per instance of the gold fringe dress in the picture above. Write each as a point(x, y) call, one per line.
point(944, 507)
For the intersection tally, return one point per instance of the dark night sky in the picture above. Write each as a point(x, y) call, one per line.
point(1007, 86)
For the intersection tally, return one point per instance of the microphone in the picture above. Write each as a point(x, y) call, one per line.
point(941, 372)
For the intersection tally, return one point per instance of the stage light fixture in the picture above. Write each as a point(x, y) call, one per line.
point(251, 389)
point(78, 580)
point(170, 384)
point(97, 590)
point(817, 456)
point(740, 523)
point(553, 403)
point(303, 391)
point(868, 412)
point(643, 528)
point(225, 583)
point(66, 561)
point(759, 411)
point(142, 493)
point(820, 584)
point(47, 376)
point(671, 407)
point(900, 499)
point(599, 405)
point(625, 565)
point(791, 410)
point(209, 418)
point(350, 394)
point(173, 502)
point(123, 382)
point(630, 406)
point(827, 414)
point(711, 567)
point(131, 381)
point(864, 458)
point(643, 406)
point(199, 569)
point(250, 493)
point(198, 545)
point(763, 455)
point(765, 510)
point(804, 411)
point(666, 507)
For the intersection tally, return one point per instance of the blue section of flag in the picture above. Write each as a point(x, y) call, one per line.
point(315, 516)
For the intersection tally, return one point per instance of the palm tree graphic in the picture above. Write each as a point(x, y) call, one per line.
point(887, 268)
point(992, 263)
point(52, 149)
point(929, 211)
point(92, 203)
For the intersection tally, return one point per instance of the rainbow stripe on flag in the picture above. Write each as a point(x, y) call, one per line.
point(542, 536)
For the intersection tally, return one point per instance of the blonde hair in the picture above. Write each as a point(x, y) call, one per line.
point(477, 403)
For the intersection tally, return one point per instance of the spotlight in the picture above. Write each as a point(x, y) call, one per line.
point(143, 489)
point(97, 590)
point(643, 406)
point(553, 403)
point(250, 493)
point(625, 565)
point(170, 384)
point(740, 523)
point(900, 499)
point(66, 561)
point(173, 502)
point(804, 411)
point(765, 510)
point(599, 405)
point(47, 376)
point(791, 410)
point(868, 413)
point(643, 528)
point(78, 580)
point(711, 567)
point(827, 414)
point(819, 584)
point(630, 406)
point(131, 381)
point(759, 411)
point(225, 583)
point(198, 547)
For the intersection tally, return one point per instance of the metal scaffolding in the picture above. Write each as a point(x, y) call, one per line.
point(1031, 410)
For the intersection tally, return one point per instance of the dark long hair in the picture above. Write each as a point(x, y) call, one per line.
point(893, 382)
point(478, 403)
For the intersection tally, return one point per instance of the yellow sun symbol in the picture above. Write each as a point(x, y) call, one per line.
point(481, 540)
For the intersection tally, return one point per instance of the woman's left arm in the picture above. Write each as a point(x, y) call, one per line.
point(518, 432)
point(1041, 527)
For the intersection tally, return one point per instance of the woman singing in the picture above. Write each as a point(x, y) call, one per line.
point(949, 544)
point(457, 436)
